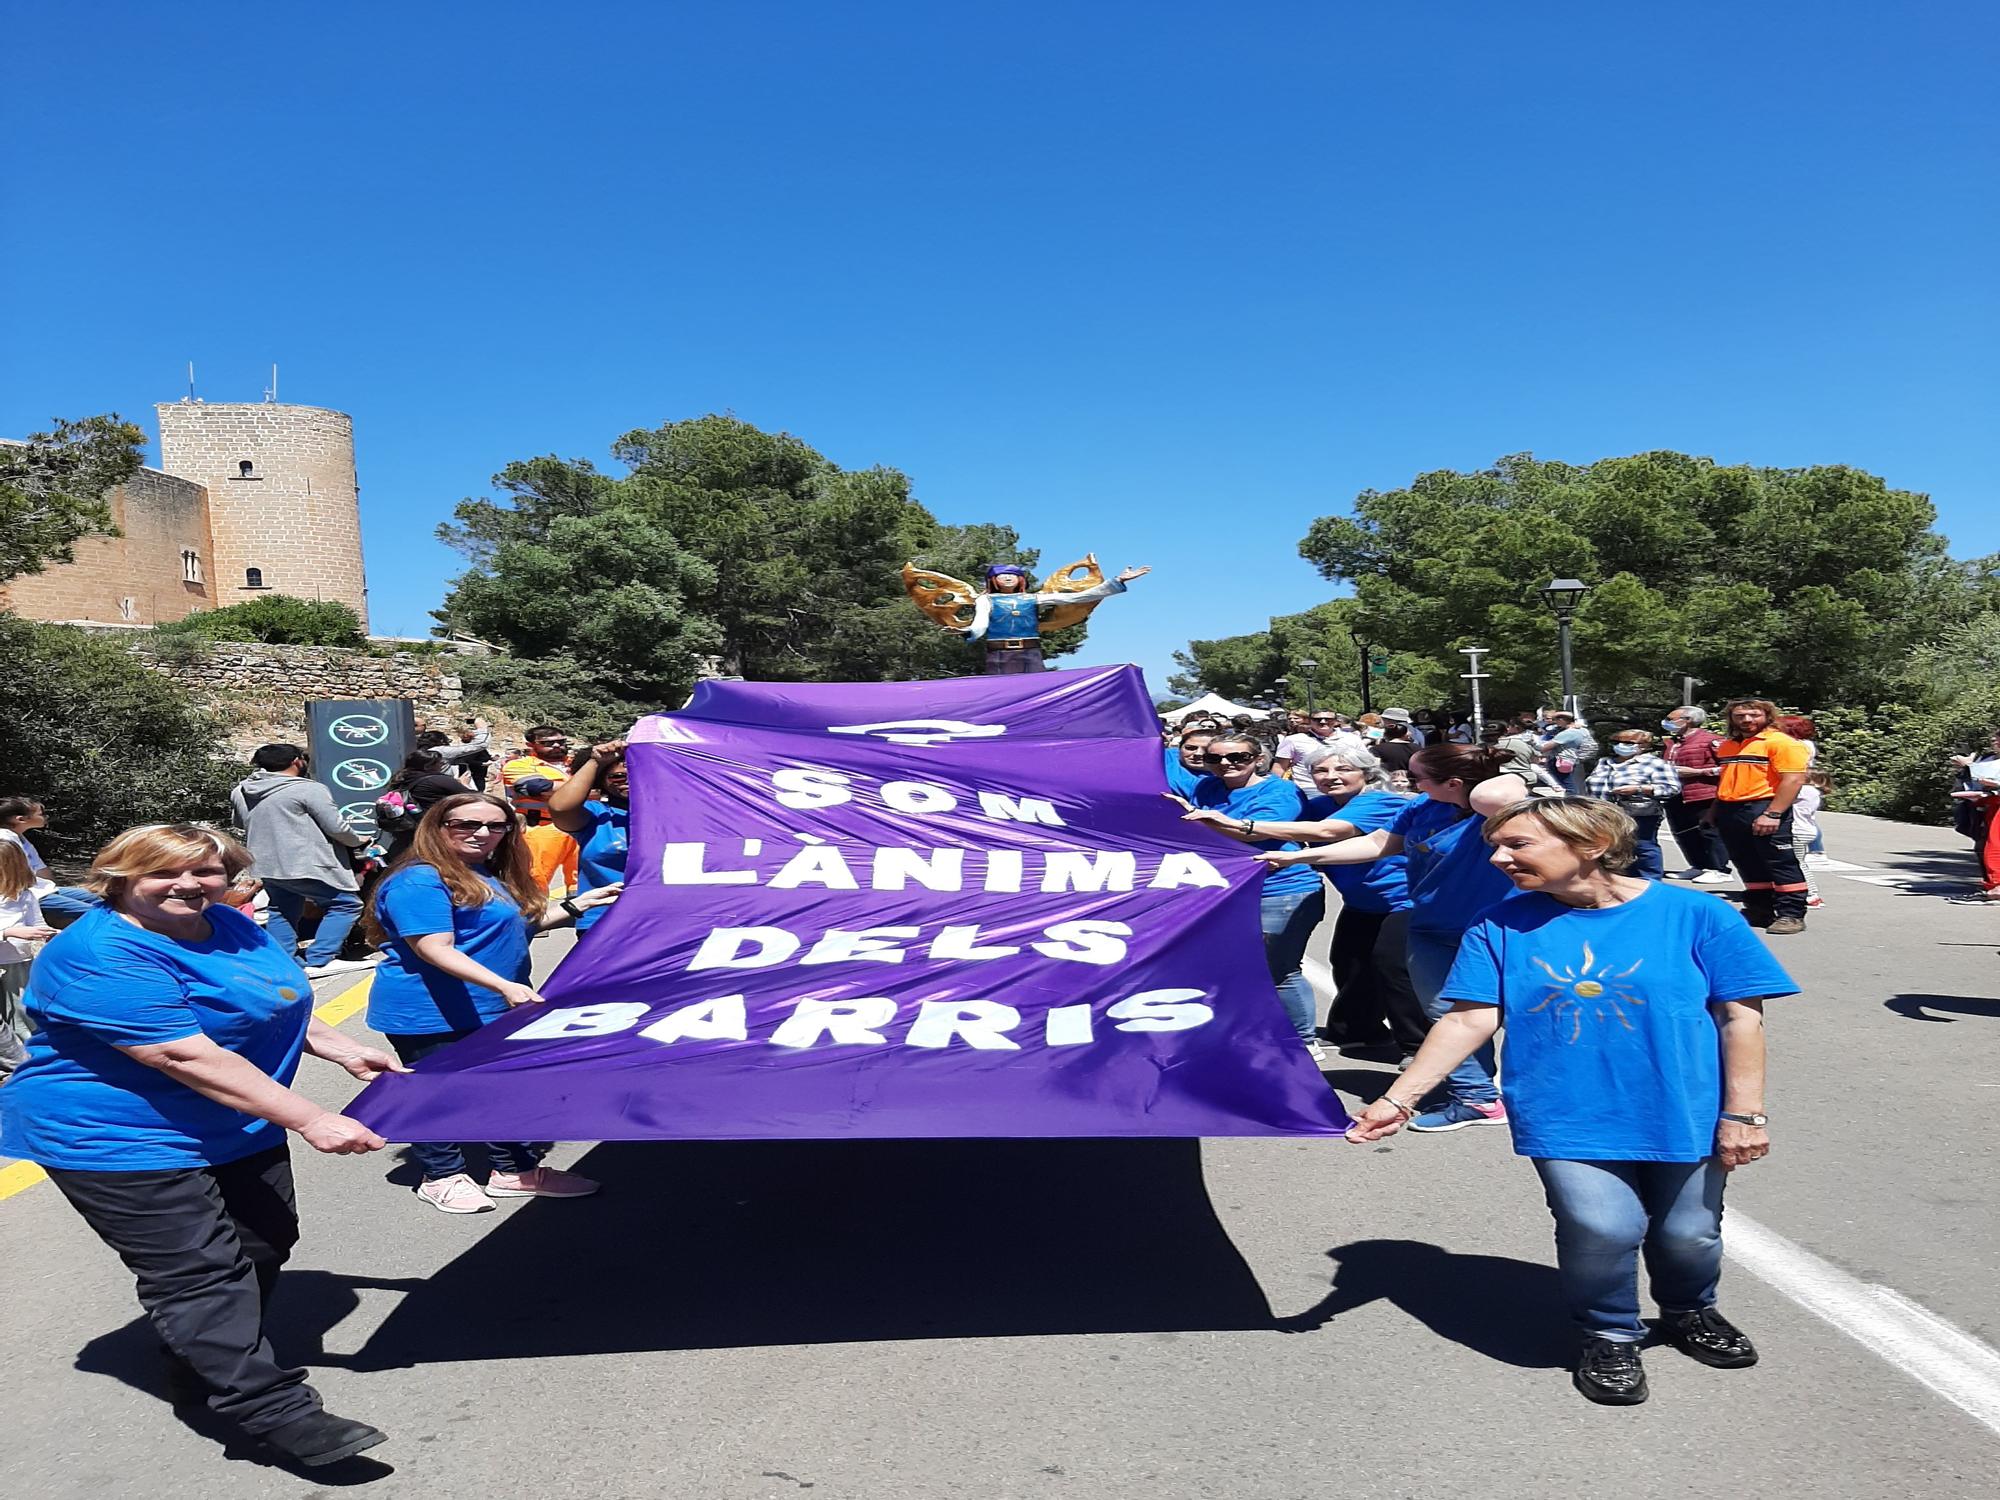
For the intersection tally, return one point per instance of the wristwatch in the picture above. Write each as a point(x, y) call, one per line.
point(1758, 1120)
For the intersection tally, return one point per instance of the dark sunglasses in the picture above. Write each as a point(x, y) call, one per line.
point(1240, 758)
point(473, 825)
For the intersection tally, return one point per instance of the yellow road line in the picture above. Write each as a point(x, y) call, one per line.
point(18, 1177)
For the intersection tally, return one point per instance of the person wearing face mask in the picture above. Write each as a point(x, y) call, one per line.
point(1634, 1022)
point(595, 809)
point(1236, 799)
point(157, 1094)
point(1691, 752)
point(453, 916)
point(1641, 784)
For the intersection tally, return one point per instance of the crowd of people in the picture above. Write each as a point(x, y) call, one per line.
point(1498, 879)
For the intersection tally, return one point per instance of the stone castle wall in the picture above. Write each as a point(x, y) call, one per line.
point(138, 578)
point(293, 515)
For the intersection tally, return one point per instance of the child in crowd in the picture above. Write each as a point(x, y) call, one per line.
point(22, 932)
point(1805, 828)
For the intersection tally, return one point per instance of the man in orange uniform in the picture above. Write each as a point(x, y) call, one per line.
point(1762, 771)
point(529, 779)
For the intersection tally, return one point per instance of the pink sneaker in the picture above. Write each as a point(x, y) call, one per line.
point(456, 1194)
point(539, 1182)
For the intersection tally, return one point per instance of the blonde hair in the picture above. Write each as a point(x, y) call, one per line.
point(153, 847)
point(15, 876)
point(510, 863)
point(1584, 823)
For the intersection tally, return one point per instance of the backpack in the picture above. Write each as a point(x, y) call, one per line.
point(396, 813)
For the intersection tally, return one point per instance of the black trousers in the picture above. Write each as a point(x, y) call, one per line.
point(1773, 883)
point(1701, 845)
point(1370, 962)
point(206, 1245)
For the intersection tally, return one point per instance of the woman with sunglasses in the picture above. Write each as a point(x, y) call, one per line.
point(1234, 799)
point(454, 915)
point(1452, 883)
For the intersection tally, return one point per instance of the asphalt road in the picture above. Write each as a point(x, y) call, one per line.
point(1256, 1320)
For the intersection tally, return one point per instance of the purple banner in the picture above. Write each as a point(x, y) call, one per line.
point(959, 908)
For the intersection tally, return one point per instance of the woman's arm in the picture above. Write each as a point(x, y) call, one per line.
point(1355, 851)
point(1328, 831)
point(439, 951)
point(1741, 1023)
point(1459, 1032)
point(1497, 792)
point(566, 801)
point(363, 1062)
point(241, 1085)
point(558, 913)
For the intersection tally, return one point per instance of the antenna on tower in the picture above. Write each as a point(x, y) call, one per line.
point(271, 390)
point(190, 394)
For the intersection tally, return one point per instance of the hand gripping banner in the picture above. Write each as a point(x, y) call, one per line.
point(959, 908)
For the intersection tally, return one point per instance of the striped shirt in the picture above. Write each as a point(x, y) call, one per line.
point(1646, 770)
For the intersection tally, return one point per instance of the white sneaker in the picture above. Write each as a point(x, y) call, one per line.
point(1715, 877)
point(341, 966)
point(456, 1194)
point(1316, 1052)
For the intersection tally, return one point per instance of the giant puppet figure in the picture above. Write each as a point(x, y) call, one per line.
point(1010, 617)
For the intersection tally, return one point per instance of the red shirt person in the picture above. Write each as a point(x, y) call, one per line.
point(1691, 752)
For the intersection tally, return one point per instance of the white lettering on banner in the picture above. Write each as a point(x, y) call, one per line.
point(807, 786)
point(1160, 1010)
point(892, 869)
point(841, 1022)
point(1089, 872)
point(998, 805)
point(917, 797)
point(963, 943)
point(1083, 942)
point(872, 945)
point(1086, 942)
point(817, 786)
point(723, 948)
point(983, 1025)
point(719, 1020)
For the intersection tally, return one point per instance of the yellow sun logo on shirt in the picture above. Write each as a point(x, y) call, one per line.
point(1588, 986)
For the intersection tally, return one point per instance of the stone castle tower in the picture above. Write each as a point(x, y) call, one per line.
point(284, 507)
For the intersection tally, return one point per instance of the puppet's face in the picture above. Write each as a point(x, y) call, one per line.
point(1008, 583)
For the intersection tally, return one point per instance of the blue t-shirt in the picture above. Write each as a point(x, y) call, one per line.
point(1272, 800)
point(1180, 780)
point(104, 983)
point(1381, 885)
point(412, 998)
point(1452, 881)
point(1612, 1051)
point(601, 852)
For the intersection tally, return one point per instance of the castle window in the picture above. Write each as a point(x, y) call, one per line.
point(253, 578)
point(245, 469)
point(190, 565)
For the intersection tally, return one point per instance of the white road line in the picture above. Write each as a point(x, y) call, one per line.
point(1914, 1339)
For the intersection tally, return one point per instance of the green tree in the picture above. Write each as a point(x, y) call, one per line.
point(53, 489)
point(101, 740)
point(1806, 585)
point(275, 619)
point(722, 542)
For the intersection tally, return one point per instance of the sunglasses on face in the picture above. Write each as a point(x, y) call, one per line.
point(1240, 758)
point(473, 825)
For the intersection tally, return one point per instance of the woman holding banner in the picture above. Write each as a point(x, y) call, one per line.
point(1451, 885)
point(1635, 1064)
point(594, 808)
point(454, 915)
point(1237, 798)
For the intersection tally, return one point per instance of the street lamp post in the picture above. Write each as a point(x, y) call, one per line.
point(1310, 667)
point(1475, 677)
point(1563, 596)
point(1367, 699)
point(1282, 691)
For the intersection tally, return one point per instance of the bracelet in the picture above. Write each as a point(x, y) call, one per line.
point(570, 906)
point(1248, 827)
point(1409, 1110)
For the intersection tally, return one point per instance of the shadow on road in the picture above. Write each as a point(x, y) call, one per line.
point(1507, 1310)
point(703, 1245)
point(1916, 1006)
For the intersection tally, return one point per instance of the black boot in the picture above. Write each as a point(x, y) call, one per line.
point(321, 1438)
point(1608, 1372)
point(1706, 1335)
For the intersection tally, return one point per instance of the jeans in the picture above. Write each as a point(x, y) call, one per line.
point(339, 911)
point(1431, 955)
point(1371, 966)
point(206, 1245)
point(1773, 883)
point(1289, 918)
point(441, 1159)
point(1647, 864)
point(1607, 1212)
point(1700, 844)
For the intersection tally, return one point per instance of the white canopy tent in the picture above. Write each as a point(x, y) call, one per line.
point(1213, 704)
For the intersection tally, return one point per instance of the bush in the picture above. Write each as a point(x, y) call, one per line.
point(274, 619)
point(101, 740)
point(557, 690)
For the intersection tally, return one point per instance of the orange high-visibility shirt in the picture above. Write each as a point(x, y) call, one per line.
point(1751, 768)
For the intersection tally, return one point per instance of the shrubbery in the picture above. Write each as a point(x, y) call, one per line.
point(274, 619)
point(101, 740)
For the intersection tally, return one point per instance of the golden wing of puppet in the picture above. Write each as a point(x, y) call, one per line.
point(1072, 579)
point(944, 598)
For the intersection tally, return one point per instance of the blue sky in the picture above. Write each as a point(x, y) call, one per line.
point(1151, 279)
